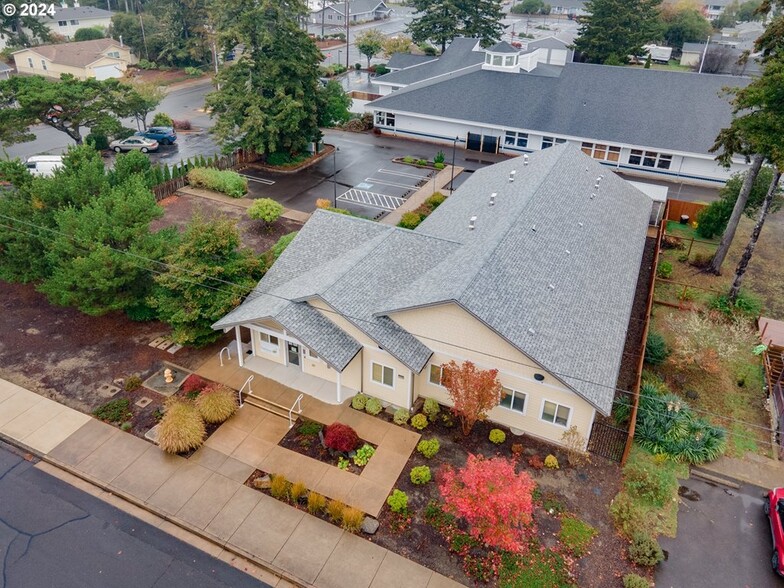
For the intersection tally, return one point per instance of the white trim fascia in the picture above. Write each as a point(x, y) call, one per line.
point(557, 404)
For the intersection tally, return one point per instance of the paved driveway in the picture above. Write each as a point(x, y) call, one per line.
point(723, 541)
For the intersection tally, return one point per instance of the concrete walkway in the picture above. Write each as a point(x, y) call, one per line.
point(435, 184)
point(753, 469)
point(205, 494)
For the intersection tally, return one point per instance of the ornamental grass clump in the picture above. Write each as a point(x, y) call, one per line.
point(297, 491)
point(181, 428)
point(316, 502)
point(334, 510)
point(216, 403)
point(352, 519)
point(279, 487)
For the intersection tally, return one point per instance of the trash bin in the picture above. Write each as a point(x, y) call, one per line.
point(684, 219)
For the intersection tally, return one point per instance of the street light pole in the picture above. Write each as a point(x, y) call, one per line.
point(335, 178)
point(323, 12)
point(348, 15)
point(454, 148)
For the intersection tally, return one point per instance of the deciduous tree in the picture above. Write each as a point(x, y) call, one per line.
point(142, 101)
point(473, 392)
point(684, 24)
point(397, 44)
point(494, 500)
point(334, 103)
point(369, 43)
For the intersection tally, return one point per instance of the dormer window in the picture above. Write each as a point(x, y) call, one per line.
point(501, 57)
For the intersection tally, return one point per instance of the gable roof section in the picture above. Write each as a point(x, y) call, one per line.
point(76, 13)
point(542, 268)
point(358, 6)
point(503, 47)
point(650, 108)
point(403, 60)
point(77, 54)
point(459, 55)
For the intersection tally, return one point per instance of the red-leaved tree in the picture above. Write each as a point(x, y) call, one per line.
point(473, 392)
point(494, 500)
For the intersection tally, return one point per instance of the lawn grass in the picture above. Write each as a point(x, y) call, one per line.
point(537, 568)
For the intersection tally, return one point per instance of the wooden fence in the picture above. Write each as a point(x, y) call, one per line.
point(234, 160)
point(677, 208)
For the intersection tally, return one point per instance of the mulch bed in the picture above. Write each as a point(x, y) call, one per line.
point(310, 446)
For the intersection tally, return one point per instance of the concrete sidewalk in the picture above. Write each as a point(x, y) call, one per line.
point(752, 469)
point(204, 495)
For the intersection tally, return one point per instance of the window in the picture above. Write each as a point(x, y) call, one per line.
point(385, 119)
point(30, 61)
point(62, 23)
point(650, 159)
point(497, 60)
point(329, 17)
point(550, 141)
point(312, 354)
point(269, 343)
point(488, 58)
point(513, 400)
point(43, 64)
point(115, 54)
point(602, 152)
point(436, 375)
point(509, 60)
point(515, 139)
point(74, 22)
point(383, 374)
point(555, 413)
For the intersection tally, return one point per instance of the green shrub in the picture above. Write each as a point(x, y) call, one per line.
point(280, 245)
point(435, 200)
point(421, 162)
point(265, 210)
point(114, 411)
point(88, 34)
point(701, 260)
point(576, 535)
point(635, 581)
point(439, 166)
point(181, 428)
point(282, 159)
point(664, 270)
point(123, 133)
point(652, 484)
point(428, 447)
point(352, 519)
point(431, 408)
point(409, 159)
point(373, 406)
point(133, 383)
point(497, 436)
point(419, 421)
point(99, 141)
point(310, 428)
point(359, 401)
point(279, 487)
point(439, 158)
point(216, 403)
point(713, 219)
point(316, 502)
point(192, 71)
point(644, 550)
point(398, 501)
point(745, 305)
point(363, 454)
point(401, 416)
point(410, 220)
point(420, 475)
point(162, 119)
point(382, 69)
point(551, 462)
point(656, 349)
point(146, 64)
point(126, 426)
point(225, 181)
point(428, 50)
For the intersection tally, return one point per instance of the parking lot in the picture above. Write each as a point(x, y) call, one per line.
point(723, 540)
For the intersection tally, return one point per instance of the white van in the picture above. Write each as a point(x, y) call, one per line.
point(44, 165)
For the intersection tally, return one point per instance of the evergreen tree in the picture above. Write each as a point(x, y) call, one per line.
point(616, 29)
point(208, 276)
point(440, 21)
point(267, 101)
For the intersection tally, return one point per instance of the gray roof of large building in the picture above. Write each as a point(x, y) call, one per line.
point(651, 108)
point(460, 54)
point(541, 268)
point(77, 13)
point(403, 60)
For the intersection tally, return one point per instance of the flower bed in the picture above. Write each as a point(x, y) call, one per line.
point(422, 163)
point(304, 439)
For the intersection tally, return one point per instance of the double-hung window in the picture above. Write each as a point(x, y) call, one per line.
point(550, 141)
point(555, 413)
point(513, 400)
point(515, 139)
point(383, 374)
point(269, 343)
point(385, 119)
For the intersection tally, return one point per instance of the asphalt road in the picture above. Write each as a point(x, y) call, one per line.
point(52, 534)
point(723, 541)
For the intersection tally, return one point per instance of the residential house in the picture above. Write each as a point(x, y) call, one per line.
point(100, 58)
point(358, 11)
point(520, 270)
point(646, 122)
point(67, 20)
point(5, 71)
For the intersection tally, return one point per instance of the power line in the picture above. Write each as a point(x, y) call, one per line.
point(254, 294)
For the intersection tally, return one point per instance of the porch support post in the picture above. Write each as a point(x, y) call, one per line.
point(240, 351)
point(410, 389)
point(340, 398)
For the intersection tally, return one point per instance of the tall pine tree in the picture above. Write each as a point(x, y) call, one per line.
point(267, 101)
point(440, 21)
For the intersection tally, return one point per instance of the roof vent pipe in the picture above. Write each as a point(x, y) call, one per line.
point(492, 198)
point(593, 196)
point(533, 228)
point(471, 223)
point(512, 176)
point(551, 286)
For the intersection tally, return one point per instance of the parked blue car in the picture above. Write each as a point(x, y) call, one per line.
point(164, 135)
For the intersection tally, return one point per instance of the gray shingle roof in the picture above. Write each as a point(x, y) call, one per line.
point(651, 108)
point(562, 293)
point(542, 267)
point(77, 13)
point(5, 67)
point(693, 47)
point(402, 60)
point(460, 54)
point(76, 54)
point(546, 43)
point(358, 6)
point(503, 47)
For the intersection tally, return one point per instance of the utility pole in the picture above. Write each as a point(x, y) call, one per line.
point(141, 24)
point(348, 15)
point(454, 148)
point(323, 12)
point(704, 53)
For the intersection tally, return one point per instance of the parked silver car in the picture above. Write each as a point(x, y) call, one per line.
point(141, 143)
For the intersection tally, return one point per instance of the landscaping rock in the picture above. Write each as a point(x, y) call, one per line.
point(262, 483)
point(369, 526)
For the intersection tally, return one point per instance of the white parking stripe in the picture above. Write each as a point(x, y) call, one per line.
point(399, 173)
point(371, 199)
point(384, 183)
point(259, 180)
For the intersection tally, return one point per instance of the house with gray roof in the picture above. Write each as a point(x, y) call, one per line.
point(358, 11)
point(66, 20)
point(516, 271)
point(646, 122)
point(5, 71)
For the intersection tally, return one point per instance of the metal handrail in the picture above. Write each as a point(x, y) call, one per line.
point(228, 353)
point(250, 391)
point(298, 404)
